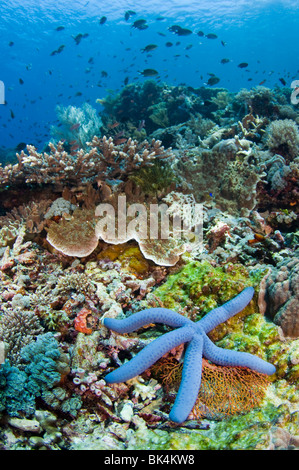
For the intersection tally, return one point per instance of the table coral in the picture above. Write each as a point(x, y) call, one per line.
point(198, 345)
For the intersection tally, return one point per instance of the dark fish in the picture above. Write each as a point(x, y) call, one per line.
point(200, 33)
point(59, 50)
point(243, 65)
point(78, 38)
point(91, 60)
point(78, 93)
point(85, 35)
point(103, 20)
point(282, 80)
point(139, 24)
point(20, 146)
point(168, 44)
point(179, 30)
point(75, 126)
point(224, 61)
point(149, 72)
point(12, 114)
point(213, 80)
point(128, 14)
point(149, 48)
point(21, 81)
point(188, 47)
point(11, 43)
point(223, 43)
point(60, 28)
point(211, 36)
point(126, 80)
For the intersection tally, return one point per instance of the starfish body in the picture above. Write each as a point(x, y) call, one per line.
point(199, 345)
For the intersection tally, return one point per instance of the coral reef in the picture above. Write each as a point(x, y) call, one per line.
point(236, 154)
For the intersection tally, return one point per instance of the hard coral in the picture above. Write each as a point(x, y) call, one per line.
point(282, 296)
point(283, 138)
point(74, 235)
point(104, 160)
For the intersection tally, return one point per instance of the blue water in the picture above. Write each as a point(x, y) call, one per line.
point(264, 34)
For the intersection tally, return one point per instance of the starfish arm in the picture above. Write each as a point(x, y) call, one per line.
point(191, 379)
point(227, 310)
point(150, 354)
point(145, 317)
point(227, 357)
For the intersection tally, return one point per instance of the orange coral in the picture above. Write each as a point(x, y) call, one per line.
point(224, 391)
point(80, 321)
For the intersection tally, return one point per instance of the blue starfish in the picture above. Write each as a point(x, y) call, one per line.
point(195, 334)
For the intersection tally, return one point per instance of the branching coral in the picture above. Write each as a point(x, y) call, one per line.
point(104, 160)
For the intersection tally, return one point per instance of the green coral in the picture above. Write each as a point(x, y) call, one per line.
point(205, 286)
point(154, 179)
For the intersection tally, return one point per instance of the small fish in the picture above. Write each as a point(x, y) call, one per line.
point(60, 28)
point(103, 20)
point(168, 44)
point(59, 50)
point(179, 30)
point(104, 74)
point(200, 33)
point(128, 14)
point(213, 80)
point(74, 147)
point(126, 80)
point(78, 93)
point(211, 36)
point(262, 82)
point(113, 126)
point(91, 60)
point(223, 43)
point(120, 141)
point(150, 47)
point(75, 126)
point(141, 125)
point(78, 38)
point(20, 146)
point(139, 24)
point(11, 43)
point(21, 81)
point(149, 72)
point(243, 65)
point(224, 61)
point(282, 80)
point(73, 142)
point(12, 114)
